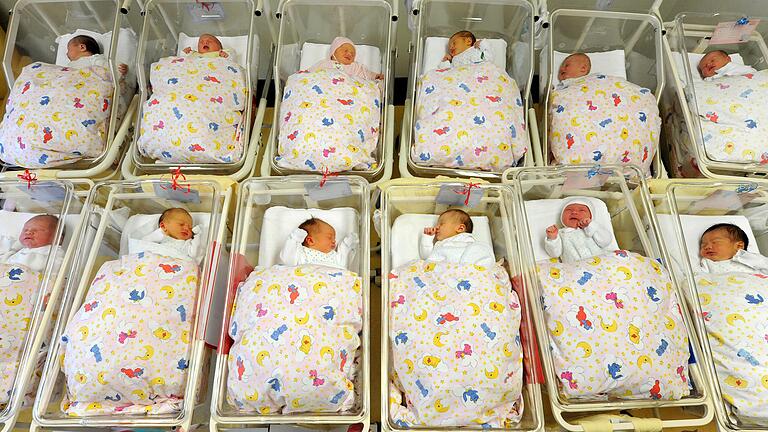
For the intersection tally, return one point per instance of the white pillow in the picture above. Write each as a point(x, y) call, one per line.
point(141, 225)
point(545, 212)
point(693, 227)
point(237, 44)
point(693, 60)
point(407, 229)
point(279, 223)
point(610, 63)
point(127, 45)
point(311, 53)
point(13, 222)
point(435, 48)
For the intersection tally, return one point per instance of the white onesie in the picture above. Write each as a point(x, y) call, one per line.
point(731, 69)
point(294, 253)
point(471, 55)
point(743, 261)
point(13, 252)
point(162, 244)
point(461, 248)
point(574, 244)
point(98, 60)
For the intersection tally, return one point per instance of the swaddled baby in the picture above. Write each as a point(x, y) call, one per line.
point(717, 64)
point(314, 242)
point(175, 237)
point(579, 238)
point(208, 45)
point(465, 49)
point(723, 248)
point(451, 240)
point(34, 244)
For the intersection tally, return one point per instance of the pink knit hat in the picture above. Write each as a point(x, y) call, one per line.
point(339, 41)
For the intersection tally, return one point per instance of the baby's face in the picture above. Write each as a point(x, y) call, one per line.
point(574, 213)
point(323, 238)
point(345, 54)
point(573, 67)
point(177, 225)
point(458, 44)
point(718, 246)
point(711, 62)
point(37, 233)
point(448, 225)
point(76, 51)
point(208, 43)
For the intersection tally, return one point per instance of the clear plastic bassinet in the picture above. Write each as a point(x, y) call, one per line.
point(411, 203)
point(632, 38)
point(506, 23)
point(624, 191)
point(307, 27)
point(21, 201)
point(690, 33)
point(264, 206)
point(685, 209)
point(172, 25)
point(117, 212)
point(34, 29)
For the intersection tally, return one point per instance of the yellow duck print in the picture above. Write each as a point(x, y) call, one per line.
point(162, 333)
point(736, 382)
point(496, 307)
point(554, 273)
point(634, 334)
point(190, 97)
point(431, 361)
point(306, 344)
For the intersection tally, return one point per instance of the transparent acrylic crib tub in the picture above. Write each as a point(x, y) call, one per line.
point(510, 20)
point(584, 30)
point(366, 22)
point(679, 199)
point(624, 191)
point(497, 204)
point(256, 196)
point(690, 32)
point(107, 209)
point(164, 20)
point(33, 28)
point(63, 199)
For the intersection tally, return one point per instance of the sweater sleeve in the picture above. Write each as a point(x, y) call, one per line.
point(485, 50)
point(348, 249)
point(426, 244)
point(290, 253)
point(601, 236)
point(553, 247)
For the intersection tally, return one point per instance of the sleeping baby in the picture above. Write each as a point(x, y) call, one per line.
point(175, 237)
point(717, 64)
point(575, 65)
point(723, 249)
point(33, 245)
point(465, 49)
point(83, 51)
point(314, 242)
point(208, 45)
point(451, 240)
point(579, 238)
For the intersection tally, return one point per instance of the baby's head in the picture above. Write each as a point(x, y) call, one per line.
point(208, 43)
point(82, 46)
point(39, 231)
point(712, 61)
point(343, 50)
point(720, 242)
point(177, 223)
point(320, 235)
point(574, 66)
point(460, 42)
point(574, 212)
point(453, 222)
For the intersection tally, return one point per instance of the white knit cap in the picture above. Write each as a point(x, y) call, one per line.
point(576, 200)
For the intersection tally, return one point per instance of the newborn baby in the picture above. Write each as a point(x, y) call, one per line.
point(84, 51)
point(451, 240)
point(723, 248)
point(175, 237)
point(718, 63)
point(314, 242)
point(575, 65)
point(465, 49)
point(342, 56)
point(208, 45)
point(579, 238)
point(33, 245)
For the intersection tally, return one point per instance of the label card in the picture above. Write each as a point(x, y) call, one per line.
point(721, 199)
point(594, 178)
point(202, 11)
point(336, 188)
point(467, 195)
point(733, 32)
point(180, 194)
point(47, 192)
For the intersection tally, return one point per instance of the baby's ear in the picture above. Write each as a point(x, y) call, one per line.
point(310, 241)
point(461, 228)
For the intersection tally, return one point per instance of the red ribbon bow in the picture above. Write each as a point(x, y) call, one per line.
point(175, 176)
point(28, 177)
point(467, 190)
point(326, 175)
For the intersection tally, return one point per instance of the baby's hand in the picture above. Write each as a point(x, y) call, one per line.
point(430, 231)
point(477, 43)
point(379, 76)
point(447, 57)
point(584, 222)
point(123, 69)
point(187, 50)
point(552, 232)
point(223, 54)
